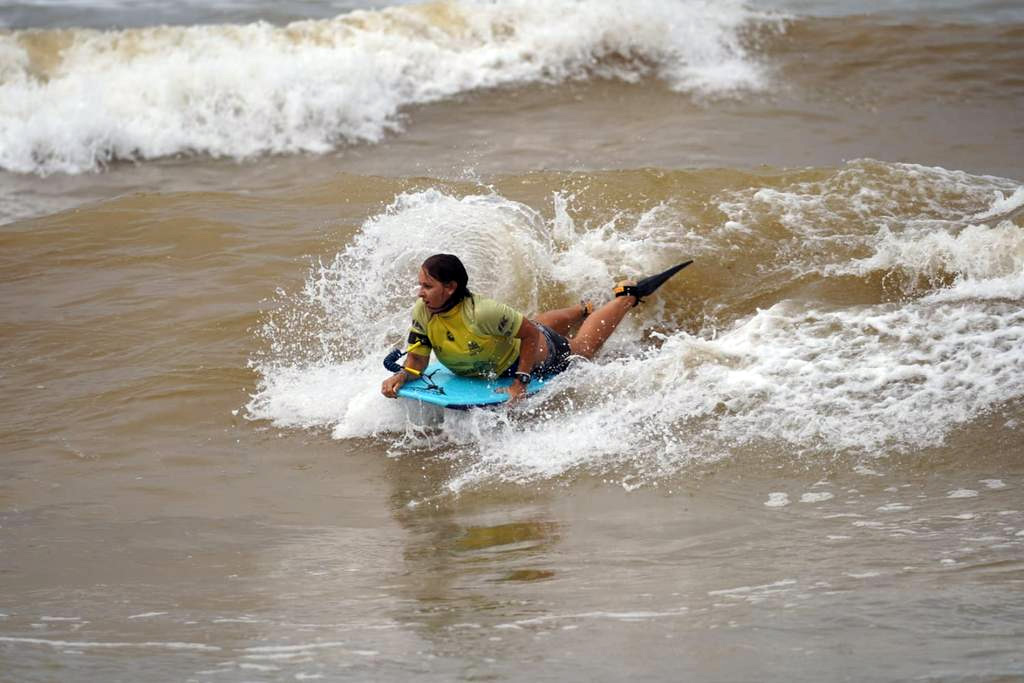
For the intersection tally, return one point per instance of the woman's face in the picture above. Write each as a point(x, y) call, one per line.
point(434, 293)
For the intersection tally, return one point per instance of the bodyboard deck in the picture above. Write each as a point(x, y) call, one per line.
point(449, 390)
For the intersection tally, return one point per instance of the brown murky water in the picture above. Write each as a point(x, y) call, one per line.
point(801, 462)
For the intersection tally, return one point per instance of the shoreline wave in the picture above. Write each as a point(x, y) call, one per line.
point(73, 101)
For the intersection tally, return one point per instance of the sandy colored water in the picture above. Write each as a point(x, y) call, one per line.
point(801, 463)
point(276, 557)
point(150, 530)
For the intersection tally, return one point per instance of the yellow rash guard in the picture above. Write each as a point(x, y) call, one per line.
point(476, 337)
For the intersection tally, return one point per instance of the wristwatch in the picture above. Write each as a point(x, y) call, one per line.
point(524, 377)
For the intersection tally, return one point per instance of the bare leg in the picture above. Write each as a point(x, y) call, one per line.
point(599, 325)
point(561, 320)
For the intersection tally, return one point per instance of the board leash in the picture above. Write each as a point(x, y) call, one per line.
point(391, 363)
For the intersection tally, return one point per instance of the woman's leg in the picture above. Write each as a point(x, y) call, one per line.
point(599, 325)
point(561, 320)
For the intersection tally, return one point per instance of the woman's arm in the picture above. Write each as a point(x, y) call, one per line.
point(393, 383)
point(531, 352)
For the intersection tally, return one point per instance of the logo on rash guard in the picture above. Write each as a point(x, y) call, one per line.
point(482, 369)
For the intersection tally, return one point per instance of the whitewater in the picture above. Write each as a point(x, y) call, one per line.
point(242, 91)
point(939, 346)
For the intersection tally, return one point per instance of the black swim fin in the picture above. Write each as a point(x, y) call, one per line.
point(649, 285)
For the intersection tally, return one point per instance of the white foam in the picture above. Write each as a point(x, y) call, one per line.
point(1002, 204)
point(89, 645)
point(303, 648)
point(239, 91)
point(776, 500)
point(602, 615)
point(816, 497)
point(962, 493)
point(918, 224)
point(862, 378)
point(987, 262)
point(869, 524)
point(777, 586)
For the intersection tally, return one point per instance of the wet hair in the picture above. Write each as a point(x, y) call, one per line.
point(447, 268)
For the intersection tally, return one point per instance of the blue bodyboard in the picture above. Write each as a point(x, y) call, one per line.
point(449, 390)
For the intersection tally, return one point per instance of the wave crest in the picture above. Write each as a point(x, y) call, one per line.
point(75, 100)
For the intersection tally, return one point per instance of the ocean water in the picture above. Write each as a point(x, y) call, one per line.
point(800, 461)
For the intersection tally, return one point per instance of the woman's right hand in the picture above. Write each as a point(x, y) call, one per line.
point(392, 384)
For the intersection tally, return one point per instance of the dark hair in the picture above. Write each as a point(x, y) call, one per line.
point(447, 268)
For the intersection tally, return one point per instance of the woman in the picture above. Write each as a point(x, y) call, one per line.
point(472, 335)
